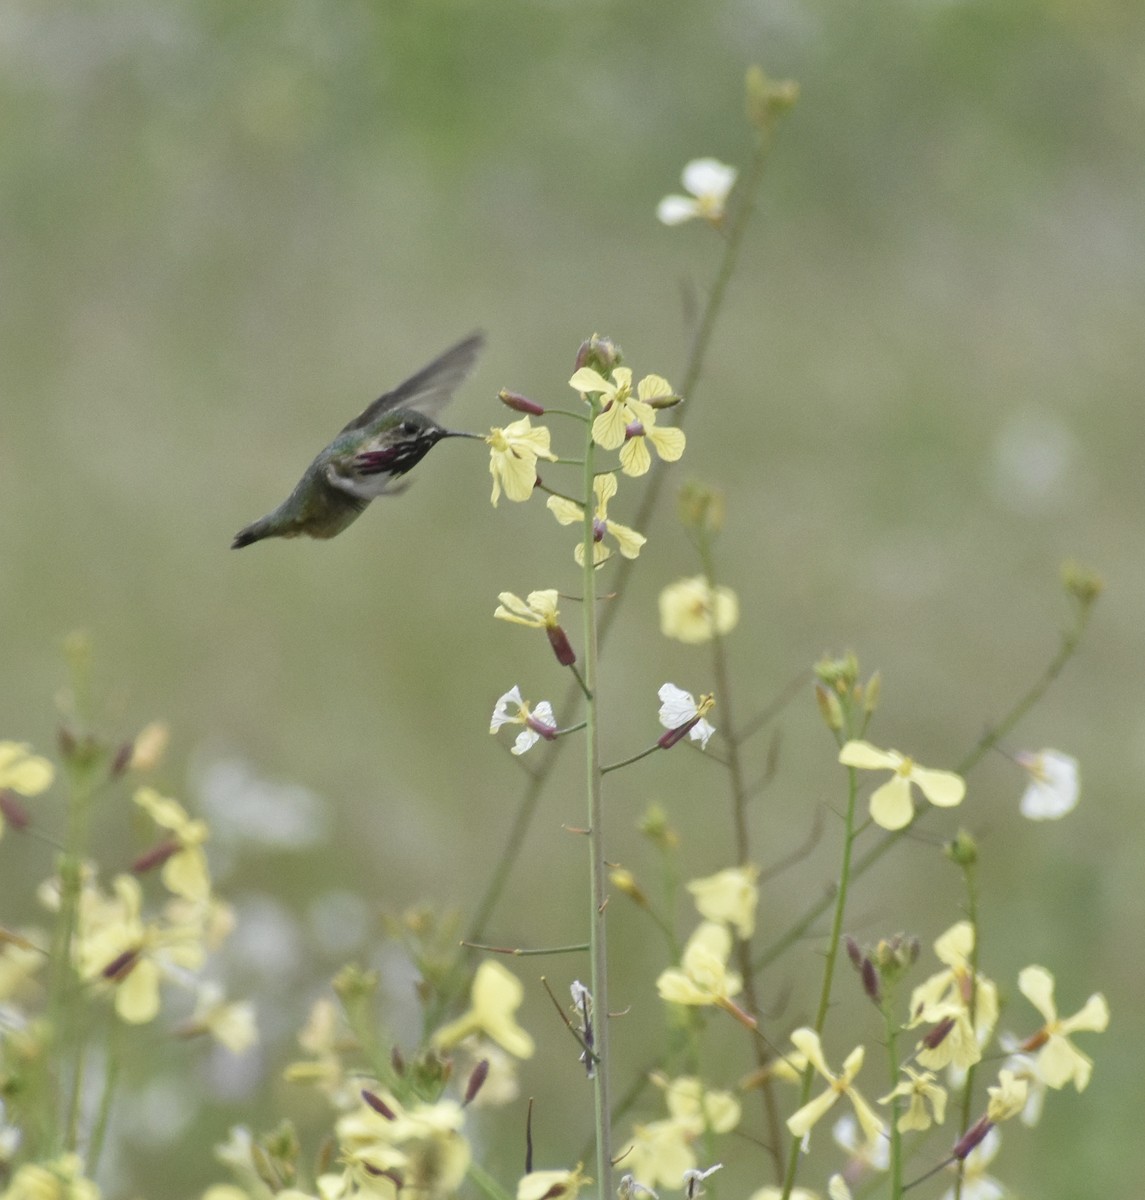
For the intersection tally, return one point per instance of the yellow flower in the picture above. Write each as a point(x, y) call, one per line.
point(230, 1023)
point(551, 1185)
point(703, 976)
point(621, 407)
point(1059, 1061)
point(185, 871)
point(692, 611)
point(801, 1122)
point(149, 746)
point(62, 1179)
point(1008, 1097)
point(494, 998)
point(948, 992)
point(538, 611)
point(114, 945)
point(667, 441)
point(891, 804)
point(24, 772)
point(925, 1097)
point(568, 512)
point(731, 896)
point(513, 454)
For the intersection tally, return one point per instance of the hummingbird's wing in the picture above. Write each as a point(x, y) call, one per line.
point(430, 389)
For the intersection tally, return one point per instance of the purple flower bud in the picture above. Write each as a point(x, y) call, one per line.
point(476, 1079)
point(853, 952)
point(156, 856)
point(871, 980)
point(939, 1033)
point(972, 1137)
point(122, 760)
point(634, 429)
point(562, 648)
point(599, 529)
point(519, 403)
point(121, 965)
point(378, 1105)
point(14, 812)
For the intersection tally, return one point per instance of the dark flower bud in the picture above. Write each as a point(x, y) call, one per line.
point(871, 980)
point(149, 860)
point(939, 1033)
point(476, 1080)
point(600, 353)
point(121, 965)
point(378, 1105)
point(122, 760)
point(13, 810)
point(519, 403)
point(974, 1136)
point(562, 648)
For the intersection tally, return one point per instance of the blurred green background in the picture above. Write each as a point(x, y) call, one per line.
point(226, 227)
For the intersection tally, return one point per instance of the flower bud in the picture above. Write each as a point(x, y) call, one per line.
point(871, 693)
point(829, 707)
point(624, 881)
point(149, 860)
point(766, 99)
point(702, 508)
point(378, 1105)
point(962, 849)
point(871, 981)
point(654, 826)
point(477, 1079)
point(600, 353)
point(1081, 583)
point(13, 811)
point(562, 648)
point(519, 403)
point(974, 1136)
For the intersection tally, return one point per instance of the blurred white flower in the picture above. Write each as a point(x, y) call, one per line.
point(709, 182)
point(1054, 785)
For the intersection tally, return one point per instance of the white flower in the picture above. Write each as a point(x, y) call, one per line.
point(709, 182)
point(1054, 785)
point(538, 721)
point(679, 714)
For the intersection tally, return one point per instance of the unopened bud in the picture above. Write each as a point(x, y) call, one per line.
point(149, 860)
point(939, 1033)
point(839, 674)
point(870, 978)
point(853, 952)
point(378, 1104)
point(13, 810)
point(962, 849)
point(829, 707)
point(624, 881)
point(974, 1136)
point(600, 353)
point(562, 648)
point(702, 508)
point(121, 761)
point(871, 693)
point(1082, 583)
point(397, 1061)
point(669, 401)
point(767, 99)
point(121, 965)
point(654, 825)
point(477, 1079)
point(519, 403)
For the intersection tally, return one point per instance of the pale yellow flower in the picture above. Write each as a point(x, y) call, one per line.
point(230, 1022)
point(800, 1123)
point(1059, 1061)
point(623, 408)
point(692, 611)
point(950, 991)
point(24, 772)
point(731, 896)
point(185, 872)
point(1008, 1097)
point(703, 976)
point(149, 746)
point(926, 1100)
point(891, 804)
point(551, 1185)
point(513, 454)
point(494, 998)
point(568, 512)
point(61, 1179)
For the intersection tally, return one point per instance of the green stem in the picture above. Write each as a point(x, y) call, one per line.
point(632, 758)
point(888, 1007)
point(110, 1082)
point(835, 938)
point(971, 877)
point(598, 868)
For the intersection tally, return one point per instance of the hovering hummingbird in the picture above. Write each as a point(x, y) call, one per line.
point(388, 438)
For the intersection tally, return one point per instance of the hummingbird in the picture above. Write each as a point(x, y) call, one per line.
point(382, 443)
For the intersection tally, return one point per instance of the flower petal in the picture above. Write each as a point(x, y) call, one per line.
point(866, 757)
point(891, 805)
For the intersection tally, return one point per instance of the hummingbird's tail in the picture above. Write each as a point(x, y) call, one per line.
point(254, 532)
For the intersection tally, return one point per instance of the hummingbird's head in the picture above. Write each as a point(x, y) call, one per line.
point(415, 431)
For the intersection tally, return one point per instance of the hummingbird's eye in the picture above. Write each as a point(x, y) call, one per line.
point(409, 428)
